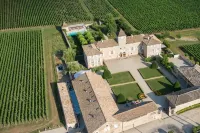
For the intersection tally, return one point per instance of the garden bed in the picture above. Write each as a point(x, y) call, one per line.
point(149, 73)
point(119, 78)
point(160, 86)
point(128, 90)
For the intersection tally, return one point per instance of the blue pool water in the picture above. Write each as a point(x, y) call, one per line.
point(75, 33)
point(74, 102)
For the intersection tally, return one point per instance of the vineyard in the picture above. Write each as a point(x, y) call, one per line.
point(99, 8)
point(22, 83)
point(193, 50)
point(28, 13)
point(159, 15)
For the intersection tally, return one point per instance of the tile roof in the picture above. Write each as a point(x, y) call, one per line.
point(106, 43)
point(121, 33)
point(151, 40)
point(91, 50)
point(134, 39)
point(192, 74)
point(94, 98)
point(136, 112)
point(66, 103)
point(184, 96)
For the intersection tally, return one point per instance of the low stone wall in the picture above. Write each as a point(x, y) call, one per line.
point(65, 36)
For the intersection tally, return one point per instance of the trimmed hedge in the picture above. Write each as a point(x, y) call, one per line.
point(188, 108)
point(106, 74)
point(121, 99)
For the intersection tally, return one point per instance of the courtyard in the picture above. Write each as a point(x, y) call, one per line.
point(132, 65)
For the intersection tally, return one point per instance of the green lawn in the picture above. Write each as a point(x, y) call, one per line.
point(160, 86)
point(128, 90)
point(122, 77)
point(149, 73)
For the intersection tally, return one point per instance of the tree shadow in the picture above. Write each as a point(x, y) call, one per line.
point(167, 88)
point(55, 92)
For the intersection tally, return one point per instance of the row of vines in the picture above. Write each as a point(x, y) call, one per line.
point(30, 13)
point(22, 83)
point(159, 15)
point(192, 50)
point(99, 8)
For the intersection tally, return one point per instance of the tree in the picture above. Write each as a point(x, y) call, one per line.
point(69, 55)
point(178, 35)
point(165, 60)
point(110, 24)
point(74, 67)
point(154, 65)
point(106, 74)
point(121, 99)
point(177, 86)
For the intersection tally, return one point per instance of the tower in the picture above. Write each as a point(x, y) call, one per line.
point(121, 38)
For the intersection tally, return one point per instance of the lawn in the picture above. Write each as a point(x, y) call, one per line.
point(122, 77)
point(160, 86)
point(128, 90)
point(149, 73)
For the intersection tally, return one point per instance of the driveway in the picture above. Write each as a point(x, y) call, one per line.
point(132, 64)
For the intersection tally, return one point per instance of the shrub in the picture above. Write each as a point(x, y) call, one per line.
point(107, 74)
point(197, 63)
point(159, 36)
point(141, 96)
point(191, 58)
point(186, 54)
point(178, 36)
point(196, 129)
point(166, 43)
point(154, 65)
point(171, 131)
point(177, 86)
point(121, 99)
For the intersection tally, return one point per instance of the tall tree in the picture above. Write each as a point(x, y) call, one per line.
point(69, 55)
point(111, 24)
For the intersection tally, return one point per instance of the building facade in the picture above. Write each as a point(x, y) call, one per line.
point(124, 46)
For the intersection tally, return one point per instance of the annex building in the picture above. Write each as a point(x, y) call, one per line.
point(100, 111)
point(121, 47)
point(183, 99)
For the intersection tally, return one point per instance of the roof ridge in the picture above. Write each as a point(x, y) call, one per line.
point(87, 73)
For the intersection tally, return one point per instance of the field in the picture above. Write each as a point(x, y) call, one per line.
point(122, 77)
point(193, 50)
point(99, 8)
point(20, 13)
point(149, 73)
point(155, 16)
point(22, 93)
point(128, 90)
point(160, 86)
